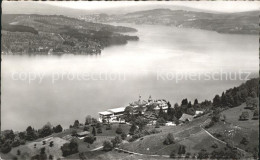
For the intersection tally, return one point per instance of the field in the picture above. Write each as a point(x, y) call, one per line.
point(233, 130)
point(195, 138)
point(28, 150)
point(114, 155)
point(33, 148)
point(191, 135)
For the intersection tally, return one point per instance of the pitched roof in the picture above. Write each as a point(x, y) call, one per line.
point(116, 110)
point(105, 113)
point(185, 117)
point(83, 133)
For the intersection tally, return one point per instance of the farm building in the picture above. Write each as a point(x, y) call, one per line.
point(186, 117)
point(83, 134)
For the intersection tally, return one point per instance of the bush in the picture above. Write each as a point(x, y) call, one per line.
point(188, 155)
point(211, 123)
point(119, 130)
point(108, 127)
point(132, 129)
point(157, 125)
point(161, 121)
point(169, 139)
point(86, 128)
point(50, 157)
point(244, 116)
point(98, 125)
point(154, 131)
point(117, 140)
point(57, 129)
point(73, 132)
point(173, 155)
point(51, 144)
point(244, 141)
point(16, 142)
point(22, 142)
point(107, 146)
point(18, 152)
point(256, 114)
point(94, 133)
point(90, 139)
point(136, 136)
point(99, 130)
point(182, 150)
point(251, 103)
point(69, 148)
point(123, 135)
point(203, 154)
point(214, 145)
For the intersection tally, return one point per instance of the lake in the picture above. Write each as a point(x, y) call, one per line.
point(63, 89)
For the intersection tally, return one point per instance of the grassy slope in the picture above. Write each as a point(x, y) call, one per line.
point(190, 135)
point(28, 149)
point(113, 155)
point(195, 139)
point(234, 130)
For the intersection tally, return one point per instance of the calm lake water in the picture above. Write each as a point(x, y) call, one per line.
point(122, 73)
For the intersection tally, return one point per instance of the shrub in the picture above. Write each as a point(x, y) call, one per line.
point(211, 123)
point(161, 121)
point(18, 152)
point(182, 150)
point(86, 128)
point(99, 130)
point(214, 145)
point(107, 146)
point(154, 131)
point(203, 154)
point(50, 157)
point(172, 155)
point(98, 125)
point(90, 139)
point(251, 103)
point(94, 133)
point(117, 140)
point(22, 142)
point(244, 116)
point(119, 130)
point(57, 129)
point(51, 144)
point(136, 136)
point(42, 150)
point(123, 135)
point(108, 127)
point(256, 114)
point(132, 129)
point(16, 142)
point(69, 148)
point(188, 155)
point(157, 125)
point(169, 139)
point(73, 132)
point(244, 141)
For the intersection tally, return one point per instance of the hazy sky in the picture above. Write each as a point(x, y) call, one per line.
point(220, 6)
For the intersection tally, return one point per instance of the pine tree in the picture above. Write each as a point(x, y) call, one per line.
point(94, 133)
point(196, 102)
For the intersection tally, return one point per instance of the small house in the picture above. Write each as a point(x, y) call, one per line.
point(186, 118)
point(82, 134)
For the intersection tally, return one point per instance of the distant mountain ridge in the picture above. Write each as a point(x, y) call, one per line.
point(235, 23)
point(48, 9)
